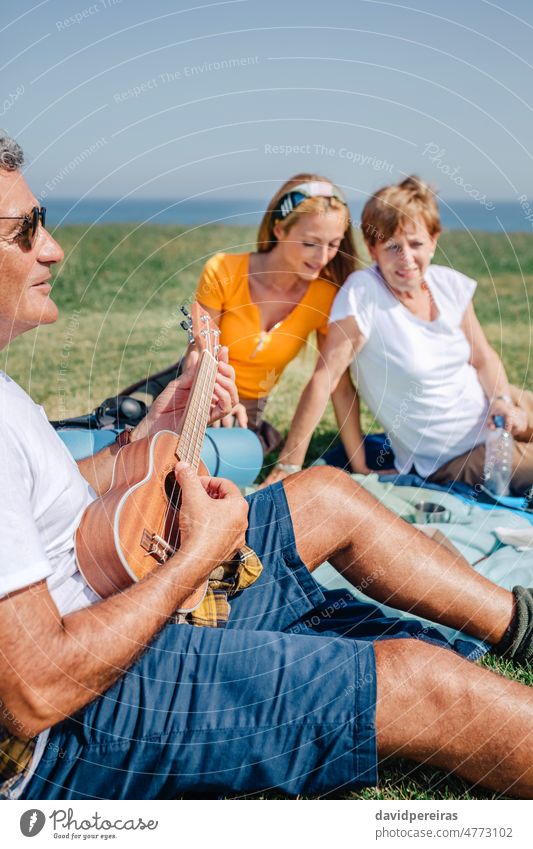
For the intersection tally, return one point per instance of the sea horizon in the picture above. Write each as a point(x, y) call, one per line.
point(502, 217)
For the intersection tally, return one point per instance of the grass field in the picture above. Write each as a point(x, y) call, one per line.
point(119, 291)
point(120, 287)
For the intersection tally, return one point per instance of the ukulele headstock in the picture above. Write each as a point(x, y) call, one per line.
point(201, 329)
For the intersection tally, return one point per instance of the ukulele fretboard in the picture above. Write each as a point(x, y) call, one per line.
point(197, 411)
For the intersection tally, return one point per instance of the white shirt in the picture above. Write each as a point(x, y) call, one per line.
point(42, 498)
point(414, 375)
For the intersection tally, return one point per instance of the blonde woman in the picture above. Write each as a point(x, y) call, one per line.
point(266, 303)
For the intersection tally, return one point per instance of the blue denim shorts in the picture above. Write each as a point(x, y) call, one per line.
point(265, 703)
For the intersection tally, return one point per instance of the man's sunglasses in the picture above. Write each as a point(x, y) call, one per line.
point(27, 233)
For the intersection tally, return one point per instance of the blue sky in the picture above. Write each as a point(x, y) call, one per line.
point(227, 99)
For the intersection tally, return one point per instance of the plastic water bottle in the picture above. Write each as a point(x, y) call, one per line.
point(498, 458)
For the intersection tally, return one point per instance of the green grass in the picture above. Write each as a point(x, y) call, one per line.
point(118, 292)
point(120, 285)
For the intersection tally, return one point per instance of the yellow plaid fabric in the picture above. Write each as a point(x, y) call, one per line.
point(15, 757)
point(237, 574)
point(214, 611)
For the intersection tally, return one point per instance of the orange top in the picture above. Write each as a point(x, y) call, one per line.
point(258, 356)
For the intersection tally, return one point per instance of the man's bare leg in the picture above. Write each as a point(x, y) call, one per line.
point(434, 707)
point(334, 519)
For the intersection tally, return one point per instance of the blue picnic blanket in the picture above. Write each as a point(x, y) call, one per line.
point(474, 520)
point(473, 530)
point(377, 447)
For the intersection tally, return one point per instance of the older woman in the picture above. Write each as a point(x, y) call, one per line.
point(417, 354)
point(268, 302)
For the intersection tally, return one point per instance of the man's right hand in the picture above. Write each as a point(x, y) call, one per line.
point(213, 517)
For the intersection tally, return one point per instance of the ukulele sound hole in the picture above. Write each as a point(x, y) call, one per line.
point(172, 490)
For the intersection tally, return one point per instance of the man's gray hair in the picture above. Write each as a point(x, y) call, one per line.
point(11, 153)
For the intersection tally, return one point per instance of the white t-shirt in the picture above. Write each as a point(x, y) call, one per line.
point(42, 498)
point(415, 375)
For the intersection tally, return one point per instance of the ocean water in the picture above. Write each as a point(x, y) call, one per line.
point(456, 215)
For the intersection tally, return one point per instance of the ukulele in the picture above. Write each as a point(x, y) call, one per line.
point(134, 527)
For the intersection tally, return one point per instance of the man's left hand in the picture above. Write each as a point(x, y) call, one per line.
point(166, 413)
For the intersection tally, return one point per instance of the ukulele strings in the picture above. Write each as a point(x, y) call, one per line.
point(184, 456)
point(190, 452)
point(201, 414)
point(208, 375)
point(187, 452)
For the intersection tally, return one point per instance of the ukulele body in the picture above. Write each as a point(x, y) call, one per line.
point(134, 527)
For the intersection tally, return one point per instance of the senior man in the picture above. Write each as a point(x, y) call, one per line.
point(113, 699)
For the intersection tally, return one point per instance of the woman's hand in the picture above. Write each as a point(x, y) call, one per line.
point(166, 413)
point(358, 464)
point(360, 468)
point(515, 418)
point(239, 417)
point(274, 476)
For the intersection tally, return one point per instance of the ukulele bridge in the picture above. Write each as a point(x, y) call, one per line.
point(157, 547)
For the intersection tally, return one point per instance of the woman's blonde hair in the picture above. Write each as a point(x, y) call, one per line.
point(345, 260)
point(392, 207)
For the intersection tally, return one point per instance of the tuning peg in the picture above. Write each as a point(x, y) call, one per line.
point(191, 339)
point(186, 325)
point(184, 310)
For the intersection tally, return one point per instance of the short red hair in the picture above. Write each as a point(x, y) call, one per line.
point(390, 208)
